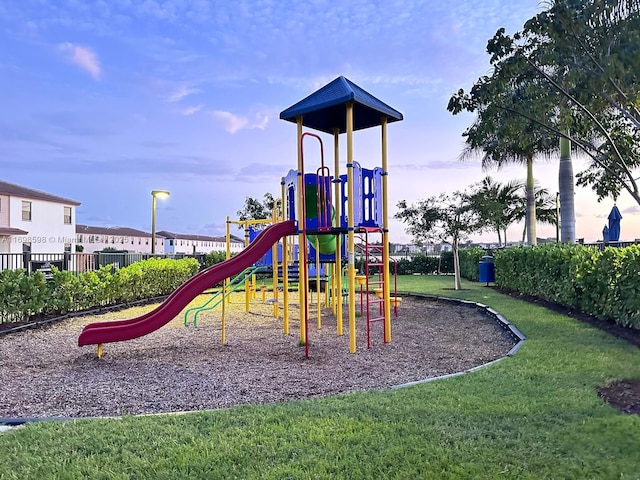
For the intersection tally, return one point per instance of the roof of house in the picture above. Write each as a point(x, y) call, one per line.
point(118, 231)
point(187, 236)
point(12, 231)
point(325, 109)
point(12, 189)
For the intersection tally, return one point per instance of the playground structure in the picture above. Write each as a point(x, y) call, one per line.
point(320, 216)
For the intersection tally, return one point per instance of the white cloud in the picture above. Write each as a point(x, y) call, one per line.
point(191, 110)
point(233, 123)
point(181, 92)
point(82, 57)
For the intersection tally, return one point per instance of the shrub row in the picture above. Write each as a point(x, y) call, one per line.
point(603, 283)
point(23, 295)
point(469, 259)
point(425, 265)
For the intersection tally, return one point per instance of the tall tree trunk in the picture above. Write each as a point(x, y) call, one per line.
point(531, 205)
point(566, 183)
point(456, 265)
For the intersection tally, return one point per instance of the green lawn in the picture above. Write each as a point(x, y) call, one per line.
point(535, 415)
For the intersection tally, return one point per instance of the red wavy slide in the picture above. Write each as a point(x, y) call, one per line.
point(120, 330)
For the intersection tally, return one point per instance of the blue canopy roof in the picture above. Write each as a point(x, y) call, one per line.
point(325, 109)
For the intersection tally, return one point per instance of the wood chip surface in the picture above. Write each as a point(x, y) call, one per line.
point(43, 373)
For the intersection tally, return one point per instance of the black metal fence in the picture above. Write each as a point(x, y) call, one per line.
point(78, 262)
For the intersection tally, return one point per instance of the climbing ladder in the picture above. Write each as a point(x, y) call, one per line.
point(375, 272)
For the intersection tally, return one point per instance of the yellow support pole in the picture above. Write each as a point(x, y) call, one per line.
point(285, 269)
point(385, 236)
point(338, 207)
point(326, 288)
point(274, 267)
point(351, 275)
point(247, 292)
point(228, 239)
point(254, 286)
point(319, 305)
point(228, 256)
point(302, 262)
point(99, 351)
point(224, 323)
point(285, 286)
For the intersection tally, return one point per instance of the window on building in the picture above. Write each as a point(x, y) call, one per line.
point(171, 242)
point(67, 215)
point(26, 210)
point(67, 247)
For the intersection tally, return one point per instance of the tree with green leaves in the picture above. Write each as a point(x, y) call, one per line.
point(254, 209)
point(570, 73)
point(444, 218)
point(500, 137)
point(499, 206)
point(545, 205)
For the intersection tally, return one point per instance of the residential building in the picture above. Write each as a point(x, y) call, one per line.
point(94, 239)
point(32, 221)
point(190, 244)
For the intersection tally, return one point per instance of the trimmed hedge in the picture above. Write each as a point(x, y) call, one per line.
point(22, 295)
point(469, 259)
point(603, 283)
point(426, 265)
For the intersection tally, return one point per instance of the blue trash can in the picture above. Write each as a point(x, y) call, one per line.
point(486, 270)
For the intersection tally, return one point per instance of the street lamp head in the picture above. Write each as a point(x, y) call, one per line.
point(159, 193)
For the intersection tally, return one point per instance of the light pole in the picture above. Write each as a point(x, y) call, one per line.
point(154, 194)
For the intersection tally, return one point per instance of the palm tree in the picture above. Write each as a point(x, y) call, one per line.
point(498, 205)
point(501, 138)
point(545, 208)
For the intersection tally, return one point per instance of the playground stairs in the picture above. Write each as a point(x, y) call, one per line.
point(374, 273)
point(293, 272)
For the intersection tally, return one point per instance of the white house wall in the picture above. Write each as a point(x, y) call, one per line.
point(93, 242)
point(187, 247)
point(47, 231)
point(4, 211)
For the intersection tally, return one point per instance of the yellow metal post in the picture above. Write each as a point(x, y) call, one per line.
point(319, 305)
point(228, 239)
point(285, 285)
point(351, 273)
point(285, 265)
point(338, 207)
point(99, 351)
point(247, 292)
point(228, 256)
point(302, 262)
point(385, 235)
point(254, 286)
point(224, 322)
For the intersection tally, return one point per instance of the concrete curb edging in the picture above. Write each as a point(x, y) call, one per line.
point(497, 317)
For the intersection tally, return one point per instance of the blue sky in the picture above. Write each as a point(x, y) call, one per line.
point(104, 101)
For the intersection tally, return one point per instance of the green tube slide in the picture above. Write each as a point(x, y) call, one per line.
point(326, 243)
